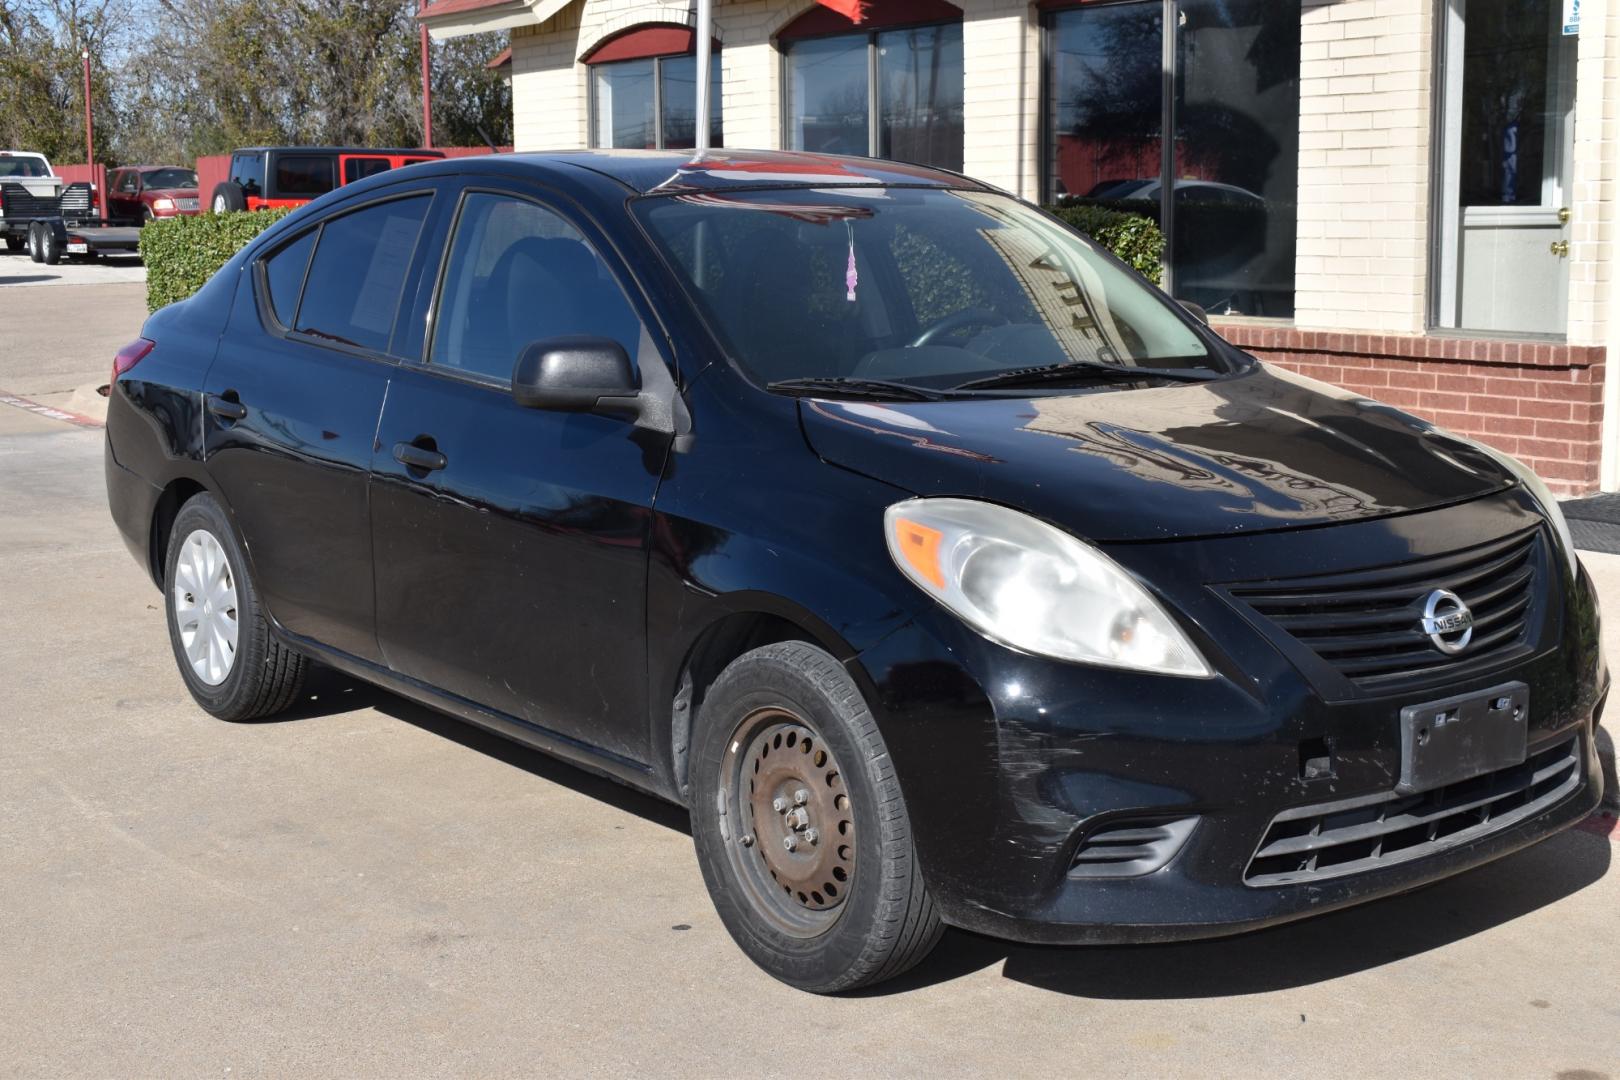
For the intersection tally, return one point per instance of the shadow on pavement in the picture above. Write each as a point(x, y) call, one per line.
point(329, 692)
point(24, 279)
point(1297, 954)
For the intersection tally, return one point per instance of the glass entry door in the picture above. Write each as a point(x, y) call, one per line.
point(1507, 148)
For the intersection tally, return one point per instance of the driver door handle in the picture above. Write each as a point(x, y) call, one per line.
point(419, 457)
point(226, 407)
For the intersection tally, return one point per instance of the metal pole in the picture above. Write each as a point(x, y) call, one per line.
point(89, 129)
point(427, 87)
point(705, 33)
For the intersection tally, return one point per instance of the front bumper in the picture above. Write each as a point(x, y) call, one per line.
point(1011, 765)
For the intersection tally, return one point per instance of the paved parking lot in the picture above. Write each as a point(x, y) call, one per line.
point(367, 888)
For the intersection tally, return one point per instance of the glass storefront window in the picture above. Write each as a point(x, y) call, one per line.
point(651, 104)
point(1234, 166)
point(1506, 138)
point(893, 93)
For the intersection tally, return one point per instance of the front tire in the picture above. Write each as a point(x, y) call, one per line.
point(800, 826)
point(50, 248)
point(233, 666)
point(36, 251)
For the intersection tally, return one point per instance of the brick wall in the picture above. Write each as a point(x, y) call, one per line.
point(1365, 71)
point(1539, 401)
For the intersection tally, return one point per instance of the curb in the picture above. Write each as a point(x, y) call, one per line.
point(49, 412)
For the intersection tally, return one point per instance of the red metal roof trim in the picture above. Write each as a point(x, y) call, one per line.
point(822, 20)
point(641, 42)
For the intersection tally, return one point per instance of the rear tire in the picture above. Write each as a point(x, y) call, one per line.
point(231, 663)
point(826, 895)
point(15, 244)
point(35, 250)
point(227, 197)
point(50, 247)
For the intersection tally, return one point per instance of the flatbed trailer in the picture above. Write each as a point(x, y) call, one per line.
point(64, 226)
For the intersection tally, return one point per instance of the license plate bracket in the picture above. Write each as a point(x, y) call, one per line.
point(1458, 738)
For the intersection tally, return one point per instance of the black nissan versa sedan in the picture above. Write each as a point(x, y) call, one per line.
point(948, 572)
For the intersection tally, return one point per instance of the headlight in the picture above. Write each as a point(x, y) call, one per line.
point(1026, 584)
point(1537, 487)
point(162, 204)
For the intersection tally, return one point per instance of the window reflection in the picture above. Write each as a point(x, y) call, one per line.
point(920, 89)
point(678, 90)
point(828, 107)
point(1236, 151)
point(624, 104)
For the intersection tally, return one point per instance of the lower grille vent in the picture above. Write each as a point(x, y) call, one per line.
point(1129, 848)
point(1332, 839)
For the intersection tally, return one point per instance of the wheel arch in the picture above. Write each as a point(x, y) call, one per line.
point(747, 623)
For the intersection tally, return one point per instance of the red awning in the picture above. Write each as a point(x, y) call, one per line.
point(849, 9)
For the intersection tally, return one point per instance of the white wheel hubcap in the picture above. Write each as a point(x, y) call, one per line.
point(219, 204)
point(205, 607)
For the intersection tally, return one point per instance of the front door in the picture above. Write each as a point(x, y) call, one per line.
point(511, 543)
point(292, 402)
point(1507, 167)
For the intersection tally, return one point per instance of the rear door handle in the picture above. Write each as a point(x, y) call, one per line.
point(419, 457)
point(226, 408)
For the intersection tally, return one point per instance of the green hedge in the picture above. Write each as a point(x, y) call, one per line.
point(181, 253)
point(1135, 238)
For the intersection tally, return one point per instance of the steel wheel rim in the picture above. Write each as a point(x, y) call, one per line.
point(791, 827)
point(205, 613)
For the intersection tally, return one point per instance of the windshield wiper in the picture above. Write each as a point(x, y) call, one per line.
point(1086, 368)
point(848, 386)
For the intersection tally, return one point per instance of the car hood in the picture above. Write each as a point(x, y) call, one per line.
point(171, 193)
point(1260, 450)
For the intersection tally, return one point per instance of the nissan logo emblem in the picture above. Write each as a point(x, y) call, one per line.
point(1447, 621)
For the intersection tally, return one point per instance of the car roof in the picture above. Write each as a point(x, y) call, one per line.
point(678, 171)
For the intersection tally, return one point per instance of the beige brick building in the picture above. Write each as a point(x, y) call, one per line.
point(1413, 198)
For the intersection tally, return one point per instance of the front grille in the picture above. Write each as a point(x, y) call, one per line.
point(186, 204)
point(1367, 624)
point(1346, 837)
point(1129, 848)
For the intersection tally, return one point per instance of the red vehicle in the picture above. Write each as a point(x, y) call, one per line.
point(146, 192)
point(273, 176)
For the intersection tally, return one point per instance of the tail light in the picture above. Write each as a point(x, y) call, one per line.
point(130, 355)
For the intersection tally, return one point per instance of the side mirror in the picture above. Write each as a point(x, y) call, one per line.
point(577, 373)
point(1197, 311)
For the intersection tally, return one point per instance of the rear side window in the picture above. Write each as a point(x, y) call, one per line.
point(303, 174)
point(284, 274)
point(517, 274)
point(358, 168)
point(247, 170)
point(352, 291)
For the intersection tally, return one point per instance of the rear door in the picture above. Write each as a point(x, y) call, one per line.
point(291, 408)
point(512, 570)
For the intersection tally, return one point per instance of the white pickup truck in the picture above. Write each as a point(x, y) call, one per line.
point(35, 175)
point(51, 218)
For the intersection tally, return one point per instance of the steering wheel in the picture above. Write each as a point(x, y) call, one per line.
point(957, 320)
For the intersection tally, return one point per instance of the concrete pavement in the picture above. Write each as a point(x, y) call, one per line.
point(366, 888)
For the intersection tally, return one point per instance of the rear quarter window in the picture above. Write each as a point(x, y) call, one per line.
point(284, 276)
point(352, 291)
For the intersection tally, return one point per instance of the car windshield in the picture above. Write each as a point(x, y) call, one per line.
point(929, 287)
point(170, 178)
point(23, 166)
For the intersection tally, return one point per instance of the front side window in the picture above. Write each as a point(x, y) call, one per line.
point(300, 175)
point(129, 182)
point(518, 273)
point(928, 286)
point(352, 290)
point(892, 93)
point(649, 102)
point(358, 168)
point(1233, 167)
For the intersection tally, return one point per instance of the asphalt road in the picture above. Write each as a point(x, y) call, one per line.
point(366, 888)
